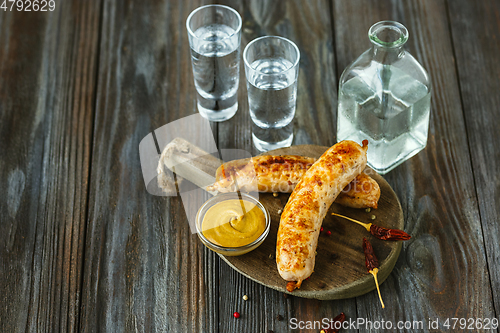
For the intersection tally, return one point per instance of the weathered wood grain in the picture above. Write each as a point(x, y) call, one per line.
point(73, 198)
point(442, 271)
point(307, 23)
point(476, 32)
point(144, 269)
point(47, 87)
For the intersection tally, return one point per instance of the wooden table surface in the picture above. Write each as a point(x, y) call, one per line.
point(84, 247)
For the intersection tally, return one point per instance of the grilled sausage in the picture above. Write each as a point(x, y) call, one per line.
point(282, 173)
point(362, 192)
point(263, 173)
point(308, 204)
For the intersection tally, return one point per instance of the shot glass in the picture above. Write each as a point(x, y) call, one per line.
point(214, 38)
point(271, 68)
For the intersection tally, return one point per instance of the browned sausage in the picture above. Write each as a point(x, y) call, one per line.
point(282, 173)
point(308, 204)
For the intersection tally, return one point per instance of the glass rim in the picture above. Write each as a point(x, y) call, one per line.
point(374, 29)
point(295, 63)
point(236, 31)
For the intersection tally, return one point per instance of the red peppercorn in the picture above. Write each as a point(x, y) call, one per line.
point(321, 229)
point(236, 315)
point(328, 233)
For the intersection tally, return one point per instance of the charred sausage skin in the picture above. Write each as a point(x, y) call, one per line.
point(308, 204)
point(267, 173)
point(282, 173)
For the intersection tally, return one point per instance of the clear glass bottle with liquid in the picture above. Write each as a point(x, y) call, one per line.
point(384, 97)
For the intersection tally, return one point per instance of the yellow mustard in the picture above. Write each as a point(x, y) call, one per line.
point(233, 223)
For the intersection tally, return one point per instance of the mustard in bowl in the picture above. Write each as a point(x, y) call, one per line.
point(232, 224)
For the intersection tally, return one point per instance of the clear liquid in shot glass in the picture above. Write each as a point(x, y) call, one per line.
point(215, 58)
point(272, 100)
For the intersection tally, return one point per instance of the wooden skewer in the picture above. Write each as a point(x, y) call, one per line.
point(374, 273)
point(367, 226)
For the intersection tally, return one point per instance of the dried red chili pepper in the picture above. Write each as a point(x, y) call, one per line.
point(388, 234)
point(371, 263)
point(379, 232)
point(339, 319)
point(371, 260)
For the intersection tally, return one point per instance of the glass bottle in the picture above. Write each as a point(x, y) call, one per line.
point(384, 96)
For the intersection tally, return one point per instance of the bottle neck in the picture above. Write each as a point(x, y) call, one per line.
point(388, 39)
point(386, 55)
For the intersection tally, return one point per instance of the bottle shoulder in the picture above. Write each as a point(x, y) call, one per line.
point(370, 69)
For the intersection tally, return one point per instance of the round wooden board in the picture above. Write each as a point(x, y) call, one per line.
point(340, 270)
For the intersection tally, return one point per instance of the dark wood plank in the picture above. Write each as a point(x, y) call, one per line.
point(442, 271)
point(307, 23)
point(144, 269)
point(475, 31)
point(47, 89)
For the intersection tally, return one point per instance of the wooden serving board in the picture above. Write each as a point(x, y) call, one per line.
point(340, 270)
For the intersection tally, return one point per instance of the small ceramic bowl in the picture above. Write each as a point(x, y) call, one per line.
point(231, 251)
